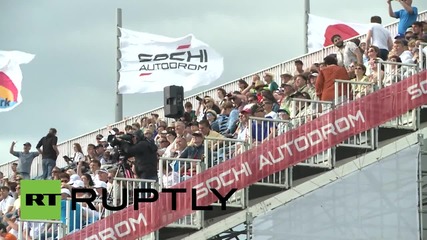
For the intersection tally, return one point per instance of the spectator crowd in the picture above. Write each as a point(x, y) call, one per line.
point(224, 116)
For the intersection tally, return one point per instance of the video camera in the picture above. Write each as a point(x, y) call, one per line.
point(73, 165)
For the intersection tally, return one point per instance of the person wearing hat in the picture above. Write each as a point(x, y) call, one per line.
point(406, 16)
point(25, 159)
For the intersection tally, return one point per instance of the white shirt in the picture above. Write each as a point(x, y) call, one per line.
point(406, 57)
point(346, 56)
point(78, 156)
point(380, 36)
point(6, 203)
point(272, 114)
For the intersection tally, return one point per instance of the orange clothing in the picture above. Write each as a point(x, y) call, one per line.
point(9, 236)
point(326, 80)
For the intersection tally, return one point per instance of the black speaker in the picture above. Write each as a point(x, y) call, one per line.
point(173, 101)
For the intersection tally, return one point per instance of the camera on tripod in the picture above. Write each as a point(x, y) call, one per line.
point(119, 153)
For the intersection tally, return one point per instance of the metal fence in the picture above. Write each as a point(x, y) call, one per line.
point(41, 229)
point(218, 150)
point(262, 129)
point(393, 73)
point(354, 90)
point(305, 110)
point(175, 170)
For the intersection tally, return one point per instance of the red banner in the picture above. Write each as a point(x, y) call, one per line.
point(270, 157)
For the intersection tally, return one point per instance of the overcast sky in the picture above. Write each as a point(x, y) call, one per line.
point(70, 85)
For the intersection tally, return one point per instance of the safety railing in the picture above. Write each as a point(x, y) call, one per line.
point(422, 60)
point(422, 56)
point(353, 90)
point(393, 73)
point(305, 110)
point(218, 150)
point(66, 148)
point(261, 129)
point(175, 170)
point(41, 229)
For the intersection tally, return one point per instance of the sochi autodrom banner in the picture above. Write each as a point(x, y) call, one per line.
point(151, 62)
point(272, 156)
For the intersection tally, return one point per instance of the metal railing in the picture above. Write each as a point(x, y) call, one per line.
point(41, 229)
point(265, 129)
point(66, 147)
point(393, 73)
point(354, 90)
point(175, 170)
point(218, 150)
point(305, 110)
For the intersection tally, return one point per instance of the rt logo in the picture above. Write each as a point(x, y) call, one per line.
point(40, 199)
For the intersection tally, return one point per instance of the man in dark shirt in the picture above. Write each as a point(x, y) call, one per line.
point(49, 152)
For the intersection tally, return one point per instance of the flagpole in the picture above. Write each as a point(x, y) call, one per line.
point(306, 12)
point(119, 97)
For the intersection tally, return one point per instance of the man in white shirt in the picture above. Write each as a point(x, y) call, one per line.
point(379, 36)
point(400, 47)
point(348, 52)
point(6, 203)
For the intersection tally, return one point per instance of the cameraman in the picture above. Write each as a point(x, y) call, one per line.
point(145, 153)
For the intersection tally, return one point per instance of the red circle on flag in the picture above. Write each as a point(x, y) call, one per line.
point(343, 30)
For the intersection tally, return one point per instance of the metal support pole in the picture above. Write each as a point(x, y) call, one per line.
point(306, 18)
point(119, 97)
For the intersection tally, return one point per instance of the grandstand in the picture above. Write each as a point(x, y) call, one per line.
point(305, 114)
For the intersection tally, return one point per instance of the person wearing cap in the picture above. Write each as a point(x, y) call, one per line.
point(406, 16)
point(25, 159)
point(400, 48)
point(348, 52)
point(47, 147)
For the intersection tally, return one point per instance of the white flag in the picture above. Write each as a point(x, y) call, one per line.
point(11, 78)
point(321, 30)
point(151, 62)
